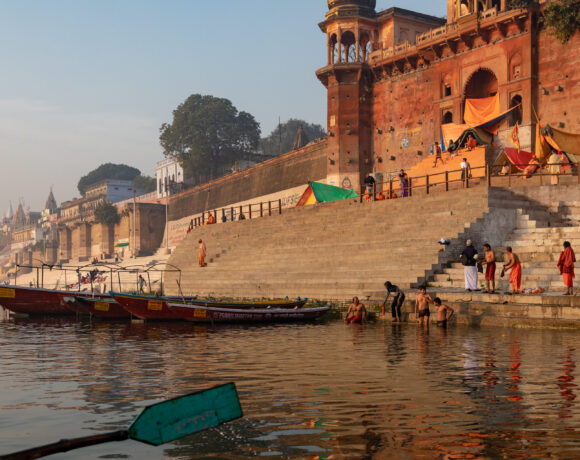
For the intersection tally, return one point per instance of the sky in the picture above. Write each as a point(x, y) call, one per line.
point(87, 82)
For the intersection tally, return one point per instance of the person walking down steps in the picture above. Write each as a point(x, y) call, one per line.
point(201, 253)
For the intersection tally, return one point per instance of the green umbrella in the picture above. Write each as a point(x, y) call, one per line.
point(160, 423)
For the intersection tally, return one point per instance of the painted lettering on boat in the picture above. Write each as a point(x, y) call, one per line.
point(155, 305)
point(199, 313)
point(101, 306)
point(7, 293)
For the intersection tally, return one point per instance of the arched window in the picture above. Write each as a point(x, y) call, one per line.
point(364, 47)
point(333, 49)
point(516, 115)
point(348, 42)
point(447, 117)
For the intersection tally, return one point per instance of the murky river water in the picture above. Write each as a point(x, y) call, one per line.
point(308, 391)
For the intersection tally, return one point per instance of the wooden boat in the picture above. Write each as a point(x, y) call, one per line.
point(147, 307)
point(254, 304)
point(103, 307)
point(201, 314)
point(35, 301)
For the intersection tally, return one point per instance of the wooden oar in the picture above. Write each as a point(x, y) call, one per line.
point(180, 291)
point(160, 423)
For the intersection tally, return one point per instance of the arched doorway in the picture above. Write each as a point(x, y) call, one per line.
point(516, 115)
point(482, 83)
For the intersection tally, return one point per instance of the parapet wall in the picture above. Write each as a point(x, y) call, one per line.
point(281, 173)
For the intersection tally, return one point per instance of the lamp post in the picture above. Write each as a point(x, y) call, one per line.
point(134, 224)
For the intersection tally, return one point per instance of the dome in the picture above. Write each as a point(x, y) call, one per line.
point(370, 4)
point(351, 8)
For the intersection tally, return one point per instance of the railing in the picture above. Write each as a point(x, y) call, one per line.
point(236, 213)
point(443, 180)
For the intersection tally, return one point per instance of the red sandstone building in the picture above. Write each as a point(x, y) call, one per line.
point(395, 76)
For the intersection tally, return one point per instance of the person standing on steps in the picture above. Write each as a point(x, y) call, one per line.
point(370, 185)
point(516, 270)
point(201, 253)
point(465, 171)
point(438, 154)
point(489, 263)
point(398, 299)
point(403, 184)
point(566, 266)
point(468, 258)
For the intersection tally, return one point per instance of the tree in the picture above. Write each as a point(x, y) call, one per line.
point(107, 171)
point(146, 184)
point(208, 135)
point(271, 145)
point(106, 214)
point(564, 18)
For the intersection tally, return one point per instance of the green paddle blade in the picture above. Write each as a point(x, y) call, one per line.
point(185, 415)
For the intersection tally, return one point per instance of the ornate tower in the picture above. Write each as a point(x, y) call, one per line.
point(351, 33)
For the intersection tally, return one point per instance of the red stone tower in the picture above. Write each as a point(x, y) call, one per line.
point(350, 28)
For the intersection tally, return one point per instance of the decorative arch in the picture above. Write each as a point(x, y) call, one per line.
point(348, 42)
point(364, 46)
point(516, 115)
point(333, 49)
point(447, 117)
point(481, 83)
point(515, 66)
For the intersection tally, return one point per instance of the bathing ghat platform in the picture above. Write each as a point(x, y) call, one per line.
point(331, 252)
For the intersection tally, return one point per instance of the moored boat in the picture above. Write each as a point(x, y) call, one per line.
point(284, 304)
point(106, 307)
point(146, 307)
point(201, 314)
point(35, 301)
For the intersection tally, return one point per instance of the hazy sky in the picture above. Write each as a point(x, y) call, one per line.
point(85, 82)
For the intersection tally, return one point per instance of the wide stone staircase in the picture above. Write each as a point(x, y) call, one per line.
point(537, 239)
point(329, 251)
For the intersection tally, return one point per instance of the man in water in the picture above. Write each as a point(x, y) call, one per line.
point(399, 298)
point(357, 313)
point(422, 302)
point(516, 270)
point(489, 263)
point(201, 253)
point(444, 313)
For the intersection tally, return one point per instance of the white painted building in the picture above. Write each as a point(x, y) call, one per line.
point(168, 172)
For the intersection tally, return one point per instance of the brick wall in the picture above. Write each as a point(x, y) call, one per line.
point(281, 173)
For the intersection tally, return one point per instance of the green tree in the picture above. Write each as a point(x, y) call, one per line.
point(286, 133)
point(208, 135)
point(146, 184)
point(563, 17)
point(107, 171)
point(106, 213)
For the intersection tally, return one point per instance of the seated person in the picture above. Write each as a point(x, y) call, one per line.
point(210, 219)
point(532, 167)
point(356, 313)
point(471, 142)
point(380, 196)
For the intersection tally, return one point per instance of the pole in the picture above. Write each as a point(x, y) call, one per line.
point(166, 222)
point(280, 133)
point(134, 224)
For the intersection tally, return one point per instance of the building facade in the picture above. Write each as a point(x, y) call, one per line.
point(394, 77)
point(169, 173)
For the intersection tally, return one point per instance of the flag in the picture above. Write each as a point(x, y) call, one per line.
point(515, 136)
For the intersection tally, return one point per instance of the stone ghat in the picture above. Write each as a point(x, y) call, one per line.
point(481, 309)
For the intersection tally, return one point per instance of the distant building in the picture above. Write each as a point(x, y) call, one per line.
point(111, 190)
point(169, 173)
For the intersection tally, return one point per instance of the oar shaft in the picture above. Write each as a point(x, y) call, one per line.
point(67, 444)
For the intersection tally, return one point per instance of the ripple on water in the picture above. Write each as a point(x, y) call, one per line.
point(306, 390)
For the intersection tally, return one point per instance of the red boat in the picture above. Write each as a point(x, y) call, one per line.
point(149, 308)
point(199, 314)
point(35, 301)
point(103, 307)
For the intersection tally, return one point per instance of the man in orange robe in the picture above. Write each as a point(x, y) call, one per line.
point(516, 270)
point(566, 266)
point(201, 253)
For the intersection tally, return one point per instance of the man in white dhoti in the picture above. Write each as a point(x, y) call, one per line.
point(468, 258)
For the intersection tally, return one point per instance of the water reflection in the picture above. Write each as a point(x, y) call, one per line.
point(308, 391)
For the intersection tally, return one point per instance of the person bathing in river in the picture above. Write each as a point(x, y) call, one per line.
point(398, 299)
point(516, 270)
point(357, 313)
point(422, 302)
point(444, 313)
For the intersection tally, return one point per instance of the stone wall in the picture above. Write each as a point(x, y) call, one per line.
point(281, 173)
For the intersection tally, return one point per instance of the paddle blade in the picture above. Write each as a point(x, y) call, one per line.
point(185, 415)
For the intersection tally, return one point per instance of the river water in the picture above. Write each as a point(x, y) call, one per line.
point(324, 390)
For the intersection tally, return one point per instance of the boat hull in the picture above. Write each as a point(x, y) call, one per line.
point(34, 301)
point(245, 305)
point(106, 308)
point(200, 314)
point(147, 308)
